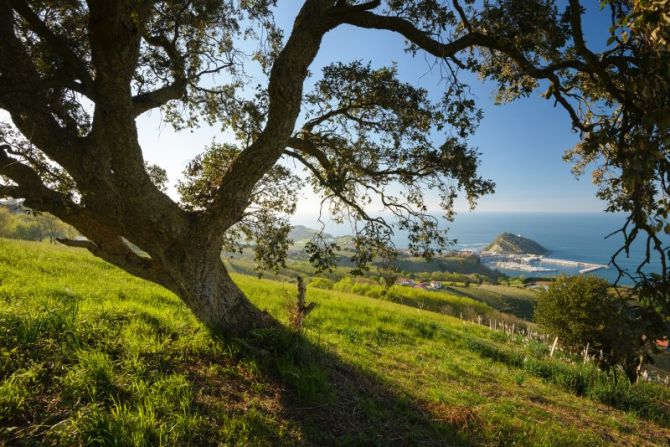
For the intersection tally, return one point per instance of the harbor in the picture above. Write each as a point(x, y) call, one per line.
point(585, 267)
point(536, 264)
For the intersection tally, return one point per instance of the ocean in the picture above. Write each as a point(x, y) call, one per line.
point(571, 236)
point(576, 237)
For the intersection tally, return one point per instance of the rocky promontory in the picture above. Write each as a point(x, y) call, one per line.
point(508, 243)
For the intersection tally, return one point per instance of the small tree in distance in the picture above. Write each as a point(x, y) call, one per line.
point(583, 309)
point(5, 221)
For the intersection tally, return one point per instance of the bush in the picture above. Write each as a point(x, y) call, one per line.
point(321, 283)
point(581, 310)
point(32, 227)
point(6, 221)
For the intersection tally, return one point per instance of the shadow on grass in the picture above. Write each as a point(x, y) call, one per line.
point(336, 403)
point(88, 386)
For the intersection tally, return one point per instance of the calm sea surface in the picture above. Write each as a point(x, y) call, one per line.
point(576, 237)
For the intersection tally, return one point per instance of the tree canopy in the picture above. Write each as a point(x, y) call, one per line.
point(75, 75)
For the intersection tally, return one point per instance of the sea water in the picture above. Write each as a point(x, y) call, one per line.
point(578, 237)
point(572, 236)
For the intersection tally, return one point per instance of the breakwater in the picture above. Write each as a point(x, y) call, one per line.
point(536, 263)
point(585, 267)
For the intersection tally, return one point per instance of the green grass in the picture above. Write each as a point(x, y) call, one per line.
point(469, 303)
point(92, 356)
point(436, 301)
point(454, 264)
point(511, 300)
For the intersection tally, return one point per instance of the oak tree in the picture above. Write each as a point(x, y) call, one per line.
point(75, 75)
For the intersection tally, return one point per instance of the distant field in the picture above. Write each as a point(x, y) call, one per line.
point(297, 264)
point(512, 300)
point(92, 356)
point(448, 264)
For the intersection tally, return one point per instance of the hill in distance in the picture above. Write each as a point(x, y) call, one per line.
point(300, 233)
point(508, 243)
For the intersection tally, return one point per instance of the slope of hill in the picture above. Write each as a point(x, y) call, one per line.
point(507, 243)
point(511, 300)
point(453, 264)
point(92, 356)
point(301, 233)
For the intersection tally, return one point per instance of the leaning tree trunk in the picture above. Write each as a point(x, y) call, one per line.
point(205, 286)
point(193, 270)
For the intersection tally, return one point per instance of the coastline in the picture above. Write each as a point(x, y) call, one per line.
point(530, 263)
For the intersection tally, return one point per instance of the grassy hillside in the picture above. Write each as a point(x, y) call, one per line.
point(512, 300)
point(298, 264)
point(92, 356)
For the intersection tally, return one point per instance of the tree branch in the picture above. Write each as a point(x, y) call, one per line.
point(309, 125)
point(366, 19)
point(108, 244)
point(29, 107)
point(462, 15)
point(311, 149)
point(28, 180)
point(343, 5)
point(10, 191)
point(116, 252)
point(175, 90)
point(473, 38)
point(159, 97)
point(337, 192)
point(591, 59)
point(285, 97)
point(59, 44)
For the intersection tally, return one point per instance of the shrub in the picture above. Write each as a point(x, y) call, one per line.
point(581, 310)
point(321, 283)
point(578, 309)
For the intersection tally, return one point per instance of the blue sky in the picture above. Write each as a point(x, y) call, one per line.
point(522, 143)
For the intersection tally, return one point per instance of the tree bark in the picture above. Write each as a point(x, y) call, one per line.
point(204, 285)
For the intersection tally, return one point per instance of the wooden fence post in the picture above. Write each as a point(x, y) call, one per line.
point(553, 347)
point(586, 352)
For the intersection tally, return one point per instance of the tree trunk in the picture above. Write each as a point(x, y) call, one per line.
point(203, 283)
